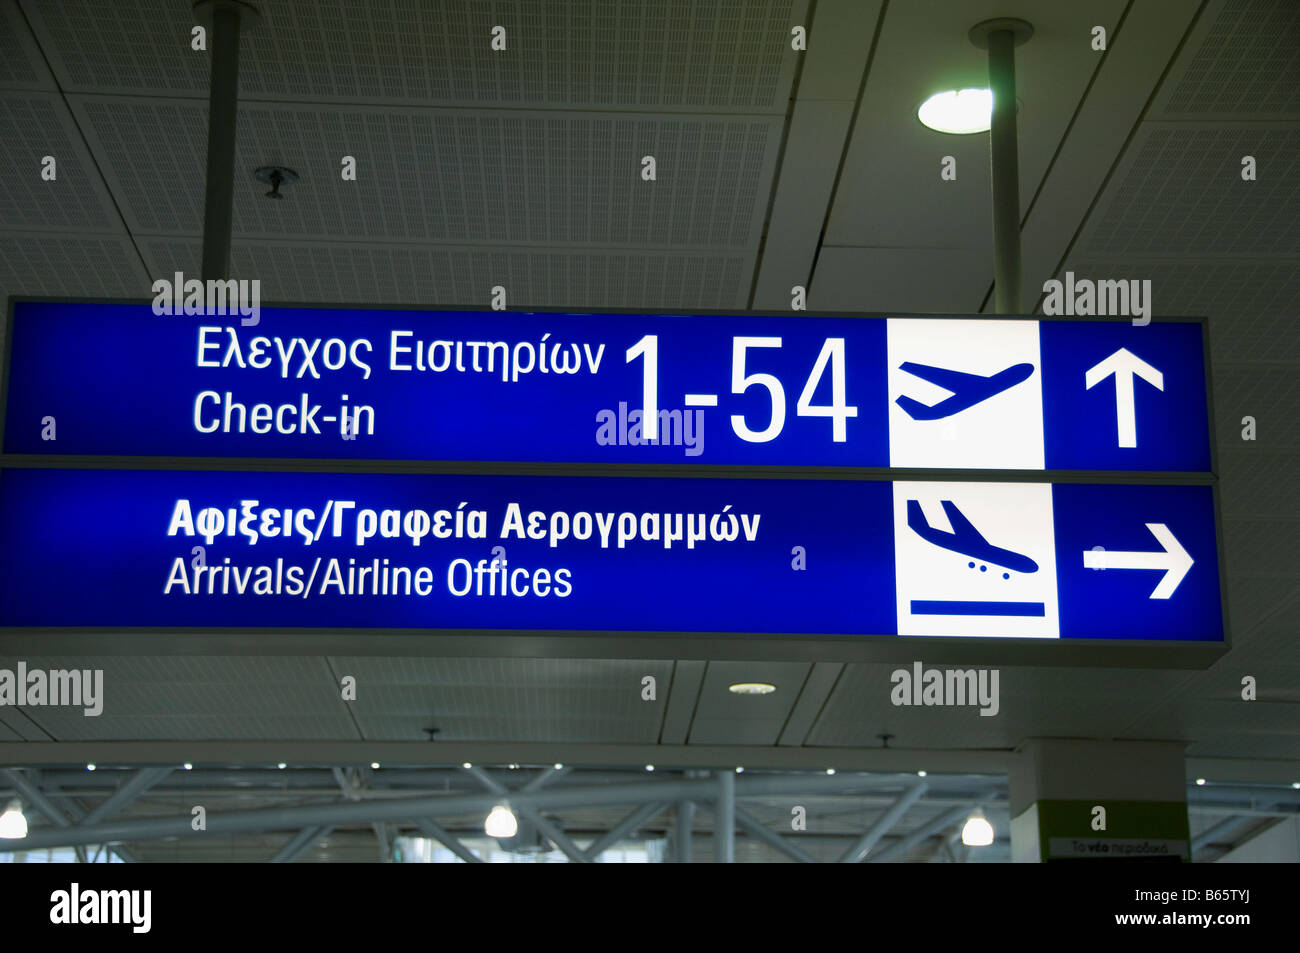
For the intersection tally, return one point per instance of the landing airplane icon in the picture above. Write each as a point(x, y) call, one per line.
point(967, 389)
point(965, 538)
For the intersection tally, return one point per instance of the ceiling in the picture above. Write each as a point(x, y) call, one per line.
point(775, 168)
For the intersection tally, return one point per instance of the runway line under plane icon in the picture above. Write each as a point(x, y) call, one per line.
point(965, 538)
point(967, 389)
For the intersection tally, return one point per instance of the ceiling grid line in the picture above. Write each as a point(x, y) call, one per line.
point(90, 153)
point(1137, 125)
point(810, 25)
point(848, 142)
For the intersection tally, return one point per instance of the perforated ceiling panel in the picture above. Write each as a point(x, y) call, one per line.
point(1181, 192)
point(506, 699)
point(68, 266)
point(1251, 304)
point(1259, 483)
point(1263, 545)
point(1256, 602)
point(200, 697)
point(1247, 63)
point(1262, 391)
point(683, 55)
point(448, 176)
point(20, 66)
point(1066, 702)
point(31, 127)
point(432, 276)
point(1271, 644)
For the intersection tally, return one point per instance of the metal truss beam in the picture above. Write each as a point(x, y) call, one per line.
point(126, 795)
point(921, 834)
point(299, 843)
point(435, 831)
point(760, 830)
point(884, 824)
point(623, 828)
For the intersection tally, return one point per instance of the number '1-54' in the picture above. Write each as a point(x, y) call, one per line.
point(837, 410)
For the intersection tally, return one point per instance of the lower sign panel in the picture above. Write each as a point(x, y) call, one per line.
point(82, 548)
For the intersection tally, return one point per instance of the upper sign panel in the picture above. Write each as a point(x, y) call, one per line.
point(933, 393)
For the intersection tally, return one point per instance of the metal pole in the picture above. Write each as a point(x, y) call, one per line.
point(223, 92)
point(1001, 37)
point(1004, 162)
point(724, 819)
point(682, 832)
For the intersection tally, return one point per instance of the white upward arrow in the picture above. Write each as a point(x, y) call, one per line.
point(1124, 364)
point(1174, 560)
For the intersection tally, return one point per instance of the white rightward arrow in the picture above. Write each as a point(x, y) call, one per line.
point(1124, 364)
point(1175, 560)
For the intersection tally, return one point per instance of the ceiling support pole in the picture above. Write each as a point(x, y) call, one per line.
point(223, 91)
point(724, 819)
point(1001, 37)
point(682, 832)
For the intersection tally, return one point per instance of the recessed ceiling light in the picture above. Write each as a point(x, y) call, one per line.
point(959, 112)
point(751, 688)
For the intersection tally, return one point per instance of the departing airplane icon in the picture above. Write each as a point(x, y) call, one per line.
point(967, 389)
point(965, 538)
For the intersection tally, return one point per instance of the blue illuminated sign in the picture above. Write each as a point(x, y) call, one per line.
point(148, 548)
point(933, 393)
